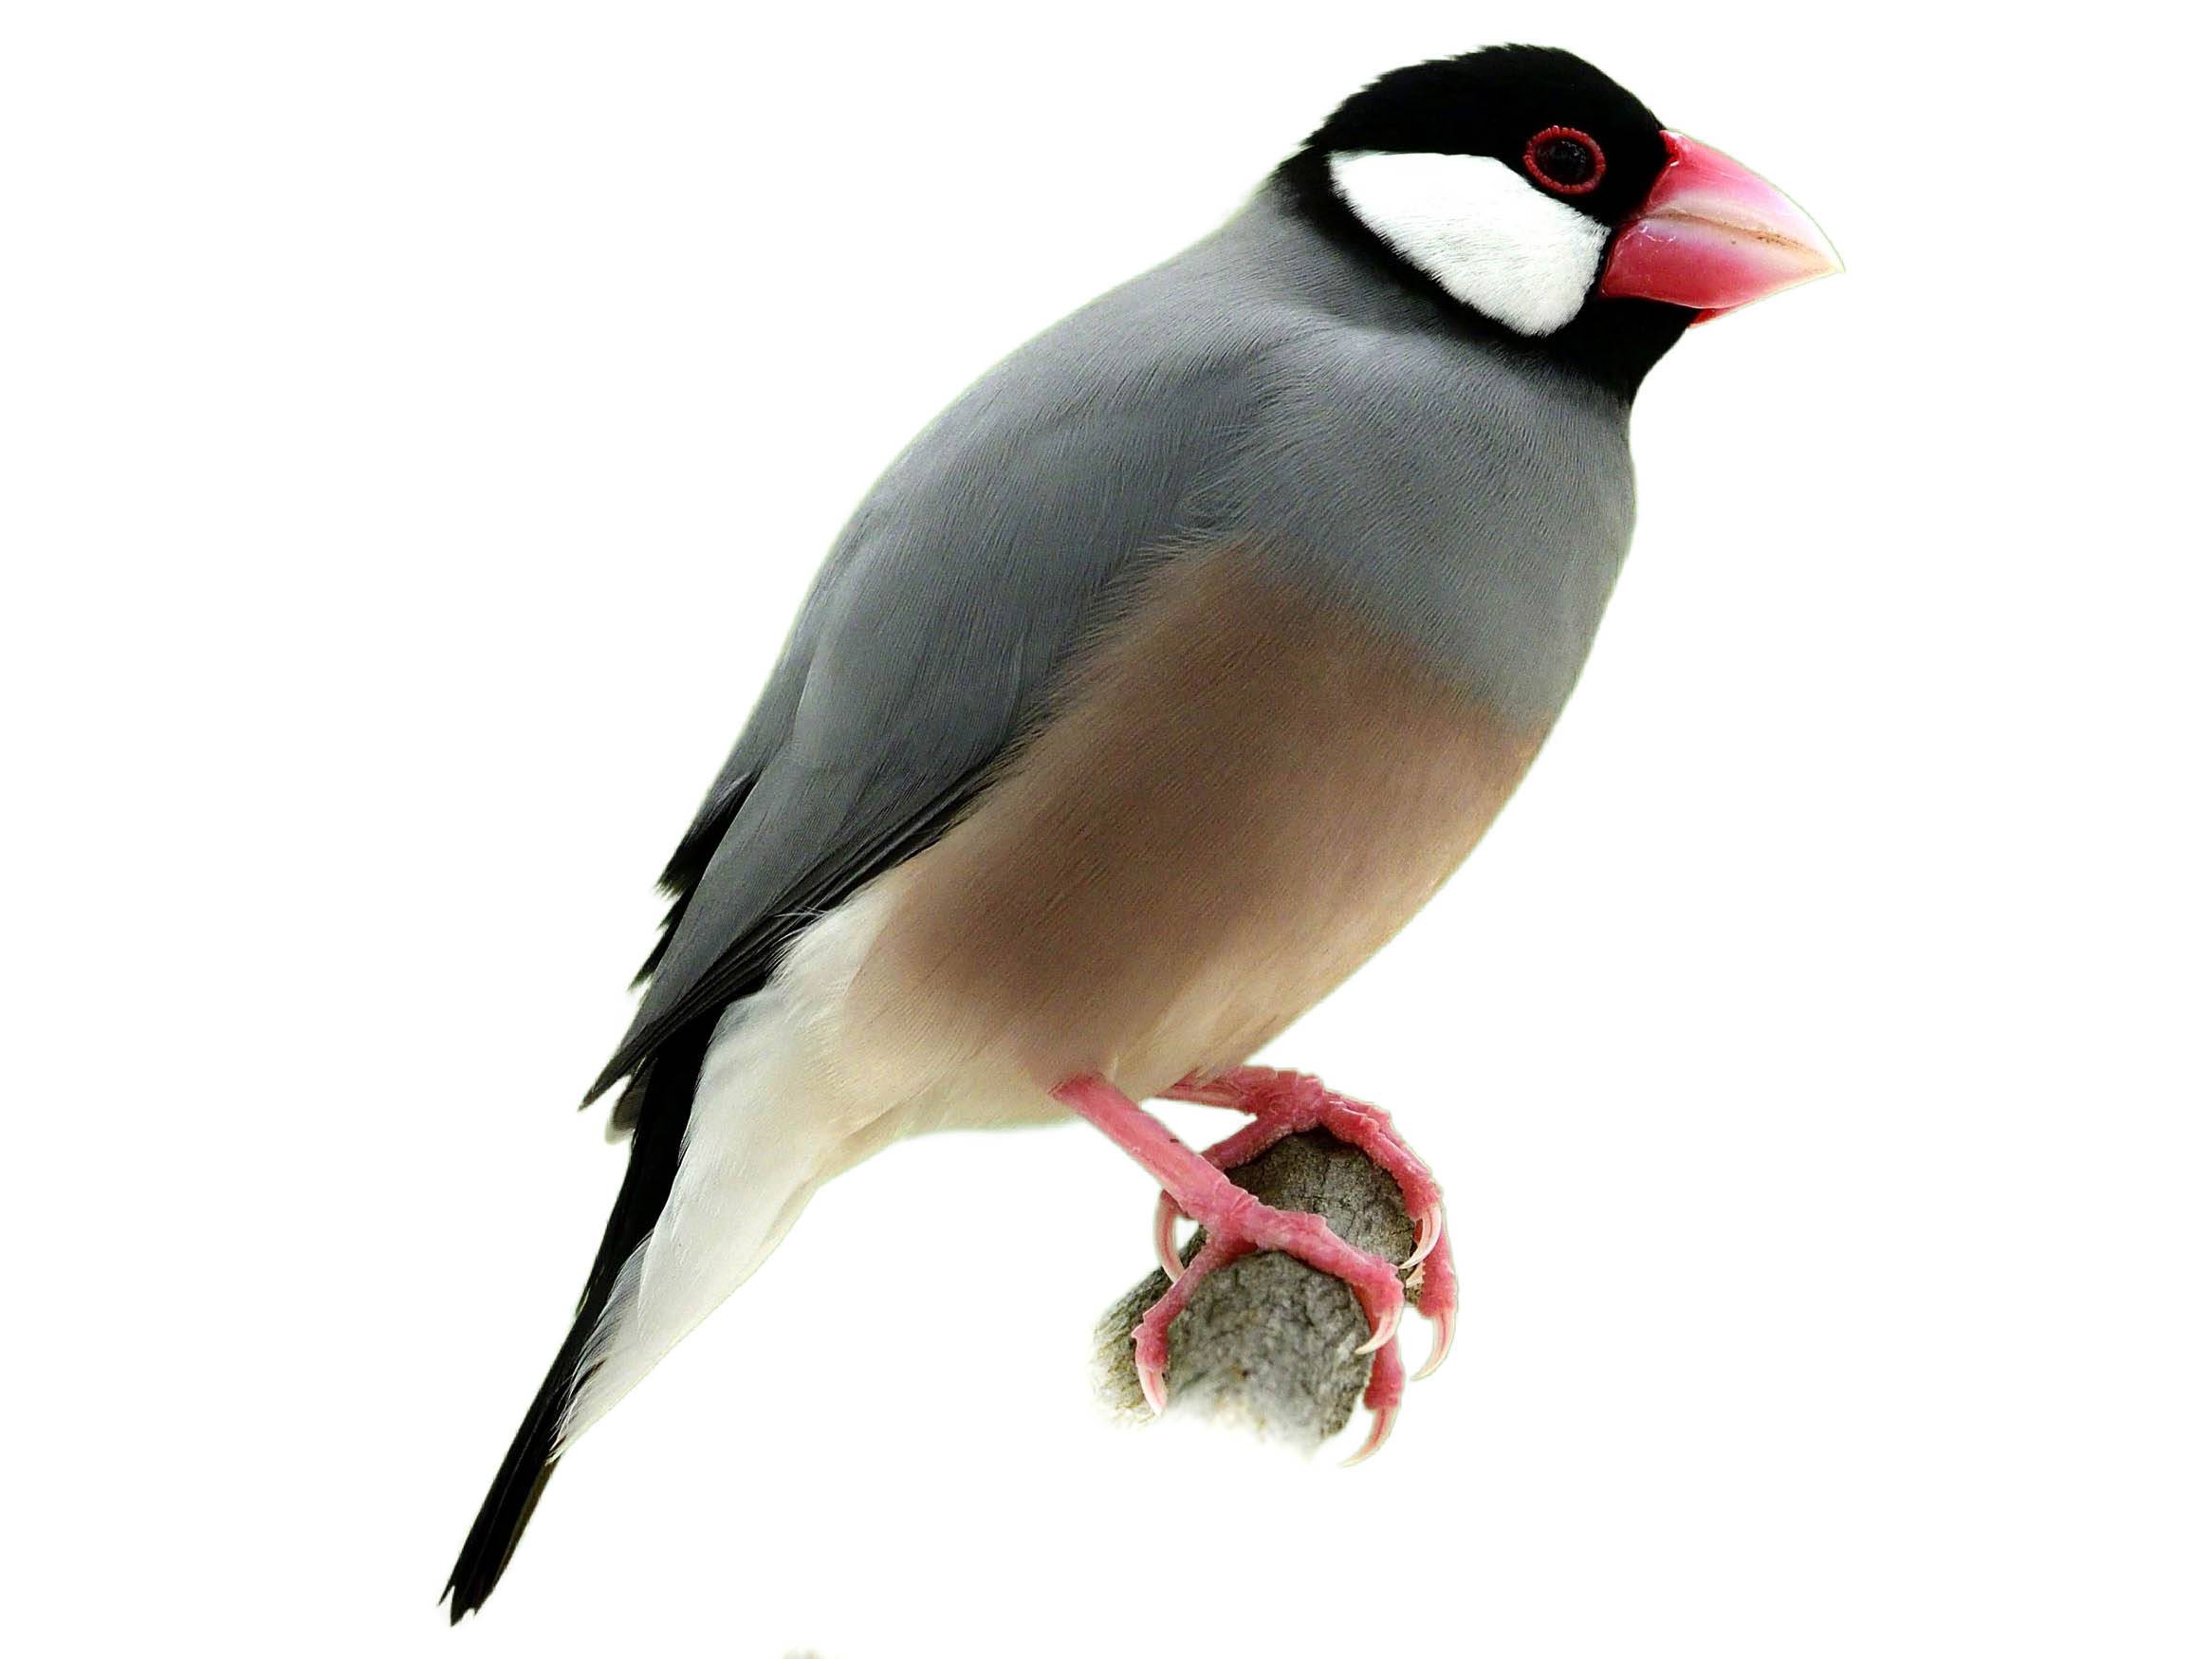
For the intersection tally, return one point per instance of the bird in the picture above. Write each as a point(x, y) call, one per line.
point(1151, 688)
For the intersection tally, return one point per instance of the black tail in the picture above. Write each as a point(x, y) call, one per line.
point(662, 1091)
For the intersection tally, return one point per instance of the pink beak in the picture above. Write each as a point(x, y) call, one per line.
point(1713, 235)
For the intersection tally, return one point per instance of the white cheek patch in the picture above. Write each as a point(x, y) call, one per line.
point(1491, 238)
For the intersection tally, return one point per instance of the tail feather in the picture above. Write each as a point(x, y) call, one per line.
point(528, 1465)
point(664, 1096)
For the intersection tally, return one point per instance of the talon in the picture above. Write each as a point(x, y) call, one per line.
point(1384, 1330)
point(1378, 1430)
point(1164, 1220)
point(1154, 1383)
point(1428, 1232)
point(1442, 1344)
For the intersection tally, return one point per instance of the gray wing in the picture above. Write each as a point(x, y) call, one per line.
point(949, 606)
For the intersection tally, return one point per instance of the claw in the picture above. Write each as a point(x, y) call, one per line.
point(1442, 1343)
point(1385, 1331)
point(1378, 1430)
point(1427, 1233)
point(1164, 1220)
point(1154, 1383)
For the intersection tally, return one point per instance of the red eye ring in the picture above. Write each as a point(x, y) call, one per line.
point(1535, 169)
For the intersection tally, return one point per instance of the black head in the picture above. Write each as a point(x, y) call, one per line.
point(1496, 102)
point(1494, 182)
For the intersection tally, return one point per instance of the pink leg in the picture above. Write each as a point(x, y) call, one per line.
point(1236, 1225)
point(1284, 1104)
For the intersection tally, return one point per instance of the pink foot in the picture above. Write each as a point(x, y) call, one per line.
point(1284, 1103)
point(1237, 1225)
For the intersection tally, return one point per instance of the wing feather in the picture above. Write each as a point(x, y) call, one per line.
point(968, 580)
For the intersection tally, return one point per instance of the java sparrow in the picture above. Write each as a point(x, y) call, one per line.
point(1157, 683)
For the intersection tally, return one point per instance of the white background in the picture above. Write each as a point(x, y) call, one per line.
point(420, 423)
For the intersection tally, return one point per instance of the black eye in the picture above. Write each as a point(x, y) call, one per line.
point(1565, 159)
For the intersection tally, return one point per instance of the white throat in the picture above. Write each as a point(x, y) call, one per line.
point(1488, 236)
